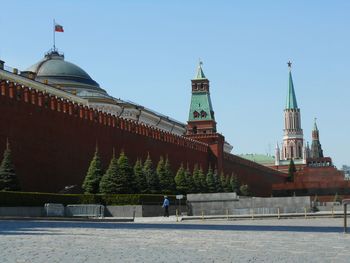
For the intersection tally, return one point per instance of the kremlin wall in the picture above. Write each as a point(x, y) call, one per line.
point(53, 135)
point(54, 115)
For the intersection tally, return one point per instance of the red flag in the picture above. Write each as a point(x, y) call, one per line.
point(58, 28)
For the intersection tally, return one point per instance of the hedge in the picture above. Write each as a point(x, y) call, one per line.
point(8, 198)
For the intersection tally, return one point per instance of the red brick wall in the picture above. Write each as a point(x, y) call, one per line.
point(53, 141)
point(259, 178)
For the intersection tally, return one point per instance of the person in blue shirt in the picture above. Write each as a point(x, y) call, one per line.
point(166, 206)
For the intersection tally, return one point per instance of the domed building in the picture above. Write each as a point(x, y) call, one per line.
point(55, 71)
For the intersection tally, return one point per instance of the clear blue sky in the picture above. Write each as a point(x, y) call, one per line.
point(147, 52)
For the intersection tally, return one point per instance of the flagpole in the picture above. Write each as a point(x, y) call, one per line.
point(54, 39)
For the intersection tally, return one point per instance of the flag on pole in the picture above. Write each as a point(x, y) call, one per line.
point(58, 28)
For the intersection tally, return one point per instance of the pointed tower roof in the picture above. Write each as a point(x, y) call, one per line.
point(200, 73)
point(277, 146)
point(291, 102)
point(315, 125)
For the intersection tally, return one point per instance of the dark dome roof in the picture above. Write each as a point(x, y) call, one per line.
point(55, 70)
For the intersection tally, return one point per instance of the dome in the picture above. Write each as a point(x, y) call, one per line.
point(54, 70)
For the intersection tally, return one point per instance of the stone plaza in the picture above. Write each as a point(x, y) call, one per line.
point(267, 240)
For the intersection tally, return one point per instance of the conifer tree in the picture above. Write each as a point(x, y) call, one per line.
point(190, 182)
point(151, 176)
point(125, 182)
point(203, 179)
point(140, 178)
point(8, 178)
point(228, 187)
point(218, 188)
point(180, 180)
point(94, 174)
point(291, 171)
point(169, 176)
point(211, 187)
point(109, 181)
point(234, 184)
point(244, 189)
point(223, 182)
point(196, 179)
point(166, 180)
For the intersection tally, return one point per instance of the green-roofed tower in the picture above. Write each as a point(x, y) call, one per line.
point(201, 116)
point(291, 102)
point(293, 140)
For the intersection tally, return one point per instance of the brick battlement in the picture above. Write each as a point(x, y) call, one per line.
point(29, 95)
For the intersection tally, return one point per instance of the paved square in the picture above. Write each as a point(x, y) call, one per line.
point(287, 240)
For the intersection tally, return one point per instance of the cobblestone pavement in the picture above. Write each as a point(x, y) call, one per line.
point(287, 240)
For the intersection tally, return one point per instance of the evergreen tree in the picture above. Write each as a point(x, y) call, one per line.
point(223, 182)
point(160, 170)
point(170, 176)
point(166, 179)
point(8, 178)
point(140, 178)
point(217, 182)
point(227, 186)
point(291, 171)
point(109, 181)
point(203, 180)
point(190, 182)
point(151, 176)
point(94, 174)
point(244, 189)
point(211, 186)
point(234, 184)
point(180, 180)
point(196, 179)
point(125, 182)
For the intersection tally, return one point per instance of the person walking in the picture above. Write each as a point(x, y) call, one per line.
point(166, 206)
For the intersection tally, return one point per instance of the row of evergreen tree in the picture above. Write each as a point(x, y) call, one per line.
point(121, 178)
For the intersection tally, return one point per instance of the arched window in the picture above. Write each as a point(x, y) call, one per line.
point(195, 114)
point(203, 114)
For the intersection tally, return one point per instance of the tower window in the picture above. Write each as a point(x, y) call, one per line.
point(196, 114)
point(203, 114)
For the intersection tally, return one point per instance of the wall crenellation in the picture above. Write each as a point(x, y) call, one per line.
point(50, 102)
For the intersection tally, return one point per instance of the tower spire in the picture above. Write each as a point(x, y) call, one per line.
point(293, 134)
point(315, 124)
point(316, 148)
point(291, 102)
point(200, 73)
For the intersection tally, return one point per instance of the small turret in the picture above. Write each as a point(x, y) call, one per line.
point(277, 154)
point(316, 149)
